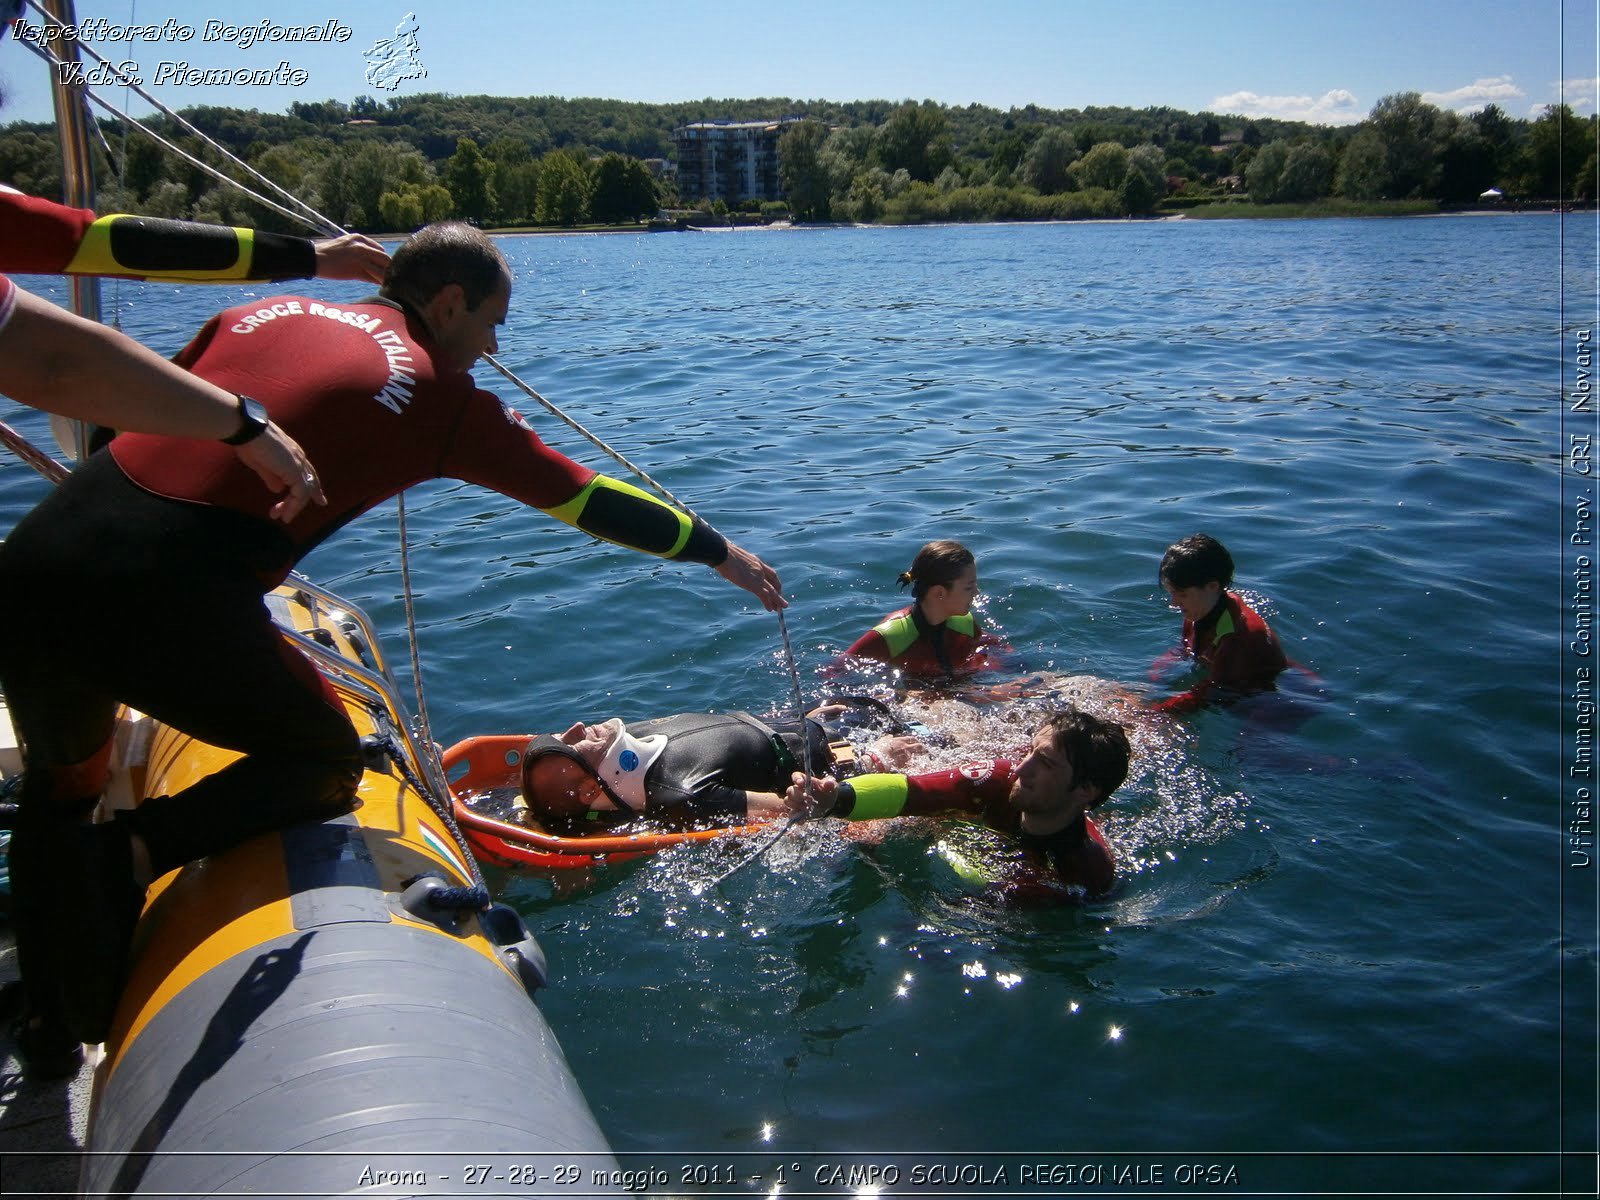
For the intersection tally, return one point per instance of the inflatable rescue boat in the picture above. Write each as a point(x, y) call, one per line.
point(334, 1008)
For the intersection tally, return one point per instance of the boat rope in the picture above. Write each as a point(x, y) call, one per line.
point(307, 215)
point(310, 216)
point(424, 726)
point(36, 458)
point(476, 897)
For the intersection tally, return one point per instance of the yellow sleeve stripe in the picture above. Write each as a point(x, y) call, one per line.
point(572, 513)
point(878, 796)
point(96, 255)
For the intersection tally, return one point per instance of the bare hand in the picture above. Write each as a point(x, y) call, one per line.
point(284, 468)
point(745, 570)
point(816, 802)
point(353, 256)
point(896, 751)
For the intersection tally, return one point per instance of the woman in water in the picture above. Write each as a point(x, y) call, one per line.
point(937, 636)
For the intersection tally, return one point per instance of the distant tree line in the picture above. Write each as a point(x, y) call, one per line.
point(553, 162)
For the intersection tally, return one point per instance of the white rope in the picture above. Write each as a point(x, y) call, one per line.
point(307, 215)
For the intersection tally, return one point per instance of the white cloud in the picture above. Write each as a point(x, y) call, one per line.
point(1581, 94)
point(1496, 90)
point(1335, 107)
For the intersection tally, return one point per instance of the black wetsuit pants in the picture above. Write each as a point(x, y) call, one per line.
point(110, 594)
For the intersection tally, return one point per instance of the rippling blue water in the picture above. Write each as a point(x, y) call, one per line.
point(1344, 937)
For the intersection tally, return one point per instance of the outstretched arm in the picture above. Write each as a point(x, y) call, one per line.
point(621, 513)
point(61, 363)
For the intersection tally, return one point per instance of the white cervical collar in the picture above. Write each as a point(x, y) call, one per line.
point(625, 763)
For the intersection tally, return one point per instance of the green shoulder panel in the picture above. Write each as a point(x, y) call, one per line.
point(963, 624)
point(897, 633)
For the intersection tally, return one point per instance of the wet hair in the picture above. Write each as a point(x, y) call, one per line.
point(1097, 750)
point(1196, 561)
point(938, 564)
point(438, 255)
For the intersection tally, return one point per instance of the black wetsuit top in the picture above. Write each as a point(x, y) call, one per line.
point(712, 759)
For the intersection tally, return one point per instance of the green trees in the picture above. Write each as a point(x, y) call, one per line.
point(564, 188)
point(1104, 166)
point(622, 190)
point(1045, 164)
point(1283, 173)
point(470, 178)
point(394, 164)
point(1410, 130)
point(803, 172)
point(1559, 146)
point(916, 139)
point(1364, 170)
point(515, 178)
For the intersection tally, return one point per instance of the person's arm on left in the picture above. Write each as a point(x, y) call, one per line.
point(52, 360)
point(40, 237)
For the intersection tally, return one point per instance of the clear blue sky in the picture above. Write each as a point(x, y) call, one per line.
point(1326, 62)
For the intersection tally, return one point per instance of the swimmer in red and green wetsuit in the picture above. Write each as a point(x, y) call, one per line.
point(936, 637)
point(1224, 635)
point(1076, 760)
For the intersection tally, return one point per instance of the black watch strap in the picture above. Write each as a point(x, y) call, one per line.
point(253, 422)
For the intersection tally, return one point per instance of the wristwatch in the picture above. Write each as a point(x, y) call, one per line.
point(253, 422)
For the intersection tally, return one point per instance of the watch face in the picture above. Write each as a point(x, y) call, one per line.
point(253, 422)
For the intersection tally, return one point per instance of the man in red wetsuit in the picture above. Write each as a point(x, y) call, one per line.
point(60, 363)
point(141, 579)
point(1043, 802)
point(1227, 638)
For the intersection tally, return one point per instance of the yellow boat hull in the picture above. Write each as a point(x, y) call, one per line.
point(300, 1019)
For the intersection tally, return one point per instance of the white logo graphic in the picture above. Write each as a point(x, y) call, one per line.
point(392, 61)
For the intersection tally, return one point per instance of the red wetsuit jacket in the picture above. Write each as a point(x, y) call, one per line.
point(908, 640)
point(1237, 648)
point(357, 387)
point(39, 237)
point(1076, 857)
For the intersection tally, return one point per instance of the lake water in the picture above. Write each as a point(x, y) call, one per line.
point(1352, 954)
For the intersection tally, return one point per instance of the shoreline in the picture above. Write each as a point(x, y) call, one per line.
point(1153, 218)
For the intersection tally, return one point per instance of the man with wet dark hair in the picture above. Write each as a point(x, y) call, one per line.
point(1075, 761)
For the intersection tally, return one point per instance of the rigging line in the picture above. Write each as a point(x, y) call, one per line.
point(577, 427)
point(90, 94)
point(36, 458)
point(799, 815)
point(310, 215)
point(411, 628)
